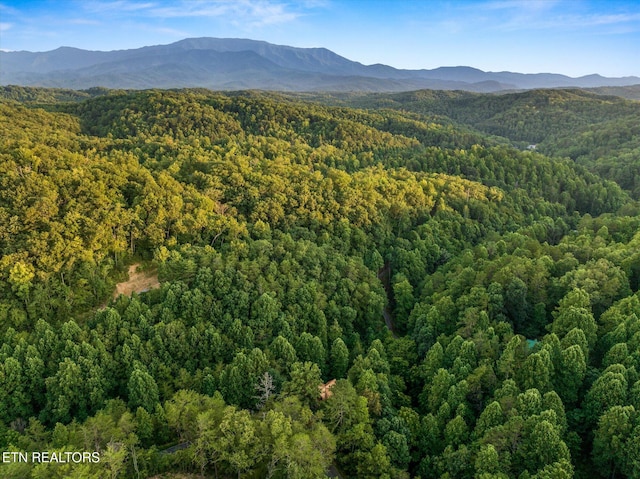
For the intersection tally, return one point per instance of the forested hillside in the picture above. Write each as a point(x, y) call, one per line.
point(476, 304)
point(597, 131)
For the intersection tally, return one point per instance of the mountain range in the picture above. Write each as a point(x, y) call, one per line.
point(235, 64)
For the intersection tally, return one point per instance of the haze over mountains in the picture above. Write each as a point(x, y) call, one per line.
point(233, 64)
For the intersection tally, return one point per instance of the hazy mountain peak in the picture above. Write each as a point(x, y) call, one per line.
point(225, 63)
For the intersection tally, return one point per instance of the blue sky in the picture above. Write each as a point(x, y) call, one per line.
point(573, 37)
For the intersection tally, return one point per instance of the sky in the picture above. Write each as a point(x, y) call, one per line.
point(572, 37)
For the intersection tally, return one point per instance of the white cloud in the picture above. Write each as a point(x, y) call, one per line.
point(245, 12)
point(596, 20)
point(194, 9)
point(116, 6)
point(4, 26)
point(576, 22)
point(513, 15)
point(7, 10)
point(253, 12)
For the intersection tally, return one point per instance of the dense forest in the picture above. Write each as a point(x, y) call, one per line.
point(475, 300)
point(597, 131)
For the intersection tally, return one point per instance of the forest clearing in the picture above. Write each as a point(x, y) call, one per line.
point(140, 281)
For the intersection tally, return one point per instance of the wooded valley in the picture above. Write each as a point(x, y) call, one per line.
point(283, 229)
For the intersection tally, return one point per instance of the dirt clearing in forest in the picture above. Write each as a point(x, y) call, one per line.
point(138, 282)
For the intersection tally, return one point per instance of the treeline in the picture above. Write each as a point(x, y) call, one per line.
point(49, 97)
point(276, 225)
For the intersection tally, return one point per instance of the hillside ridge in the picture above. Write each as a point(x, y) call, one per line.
point(233, 64)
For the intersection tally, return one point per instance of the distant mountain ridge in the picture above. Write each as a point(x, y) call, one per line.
point(233, 64)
